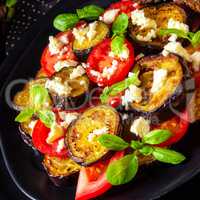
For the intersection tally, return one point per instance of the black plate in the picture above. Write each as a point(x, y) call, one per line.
point(151, 182)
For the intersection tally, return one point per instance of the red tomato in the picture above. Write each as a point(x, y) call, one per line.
point(39, 136)
point(178, 126)
point(197, 79)
point(92, 180)
point(48, 61)
point(115, 101)
point(99, 59)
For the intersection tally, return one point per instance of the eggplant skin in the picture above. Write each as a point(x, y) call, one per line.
point(160, 13)
point(83, 49)
point(25, 136)
point(79, 93)
point(60, 167)
point(86, 151)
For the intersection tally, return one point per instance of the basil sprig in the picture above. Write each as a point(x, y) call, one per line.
point(64, 21)
point(194, 38)
point(119, 28)
point(124, 170)
point(90, 12)
point(10, 3)
point(38, 98)
point(119, 87)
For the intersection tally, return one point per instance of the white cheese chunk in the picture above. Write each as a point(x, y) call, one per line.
point(148, 37)
point(64, 63)
point(77, 72)
point(159, 78)
point(109, 16)
point(32, 124)
point(138, 18)
point(92, 30)
point(140, 127)
point(195, 58)
point(58, 87)
point(64, 39)
point(61, 145)
point(176, 48)
point(97, 132)
point(67, 118)
point(80, 34)
point(174, 24)
point(132, 94)
point(109, 71)
point(172, 38)
point(55, 45)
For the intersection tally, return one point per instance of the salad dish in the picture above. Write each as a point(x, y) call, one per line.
point(117, 89)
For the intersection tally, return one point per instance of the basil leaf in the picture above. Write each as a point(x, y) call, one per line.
point(123, 170)
point(90, 12)
point(25, 115)
point(157, 136)
point(65, 21)
point(179, 33)
point(47, 117)
point(146, 150)
point(38, 96)
point(119, 87)
point(120, 24)
point(136, 144)
point(117, 45)
point(196, 38)
point(168, 156)
point(113, 142)
point(10, 3)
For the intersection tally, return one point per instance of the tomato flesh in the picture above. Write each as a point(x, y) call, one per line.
point(178, 125)
point(48, 61)
point(99, 59)
point(92, 180)
point(39, 136)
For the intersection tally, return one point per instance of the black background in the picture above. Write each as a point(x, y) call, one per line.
point(8, 190)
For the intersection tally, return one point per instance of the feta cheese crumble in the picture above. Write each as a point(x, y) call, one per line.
point(109, 16)
point(159, 78)
point(58, 87)
point(32, 124)
point(174, 24)
point(97, 132)
point(64, 63)
point(77, 72)
point(55, 45)
point(195, 58)
point(67, 118)
point(148, 37)
point(176, 48)
point(138, 18)
point(61, 145)
point(92, 30)
point(109, 71)
point(140, 127)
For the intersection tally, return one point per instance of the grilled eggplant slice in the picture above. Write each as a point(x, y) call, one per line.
point(171, 88)
point(83, 48)
point(81, 137)
point(160, 14)
point(59, 170)
point(21, 99)
point(75, 90)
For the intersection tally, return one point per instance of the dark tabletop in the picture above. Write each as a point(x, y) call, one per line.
point(27, 14)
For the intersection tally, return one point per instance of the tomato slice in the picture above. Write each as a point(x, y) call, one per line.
point(92, 180)
point(39, 136)
point(178, 125)
point(116, 68)
point(48, 61)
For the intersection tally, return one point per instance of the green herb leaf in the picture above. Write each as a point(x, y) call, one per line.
point(90, 12)
point(136, 144)
point(168, 156)
point(38, 96)
point(113, 142)
point(179, 33)
point(117, 45)
point(120, 24)
point(47, 117)
point(157, 136)
point(62, 22)
point(146, 150)
point(10, 3)
point(119, 87)
point(123, 170)
point(25, 115)
point(196, 38)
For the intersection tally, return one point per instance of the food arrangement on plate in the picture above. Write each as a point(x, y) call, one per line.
point(117, 88)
